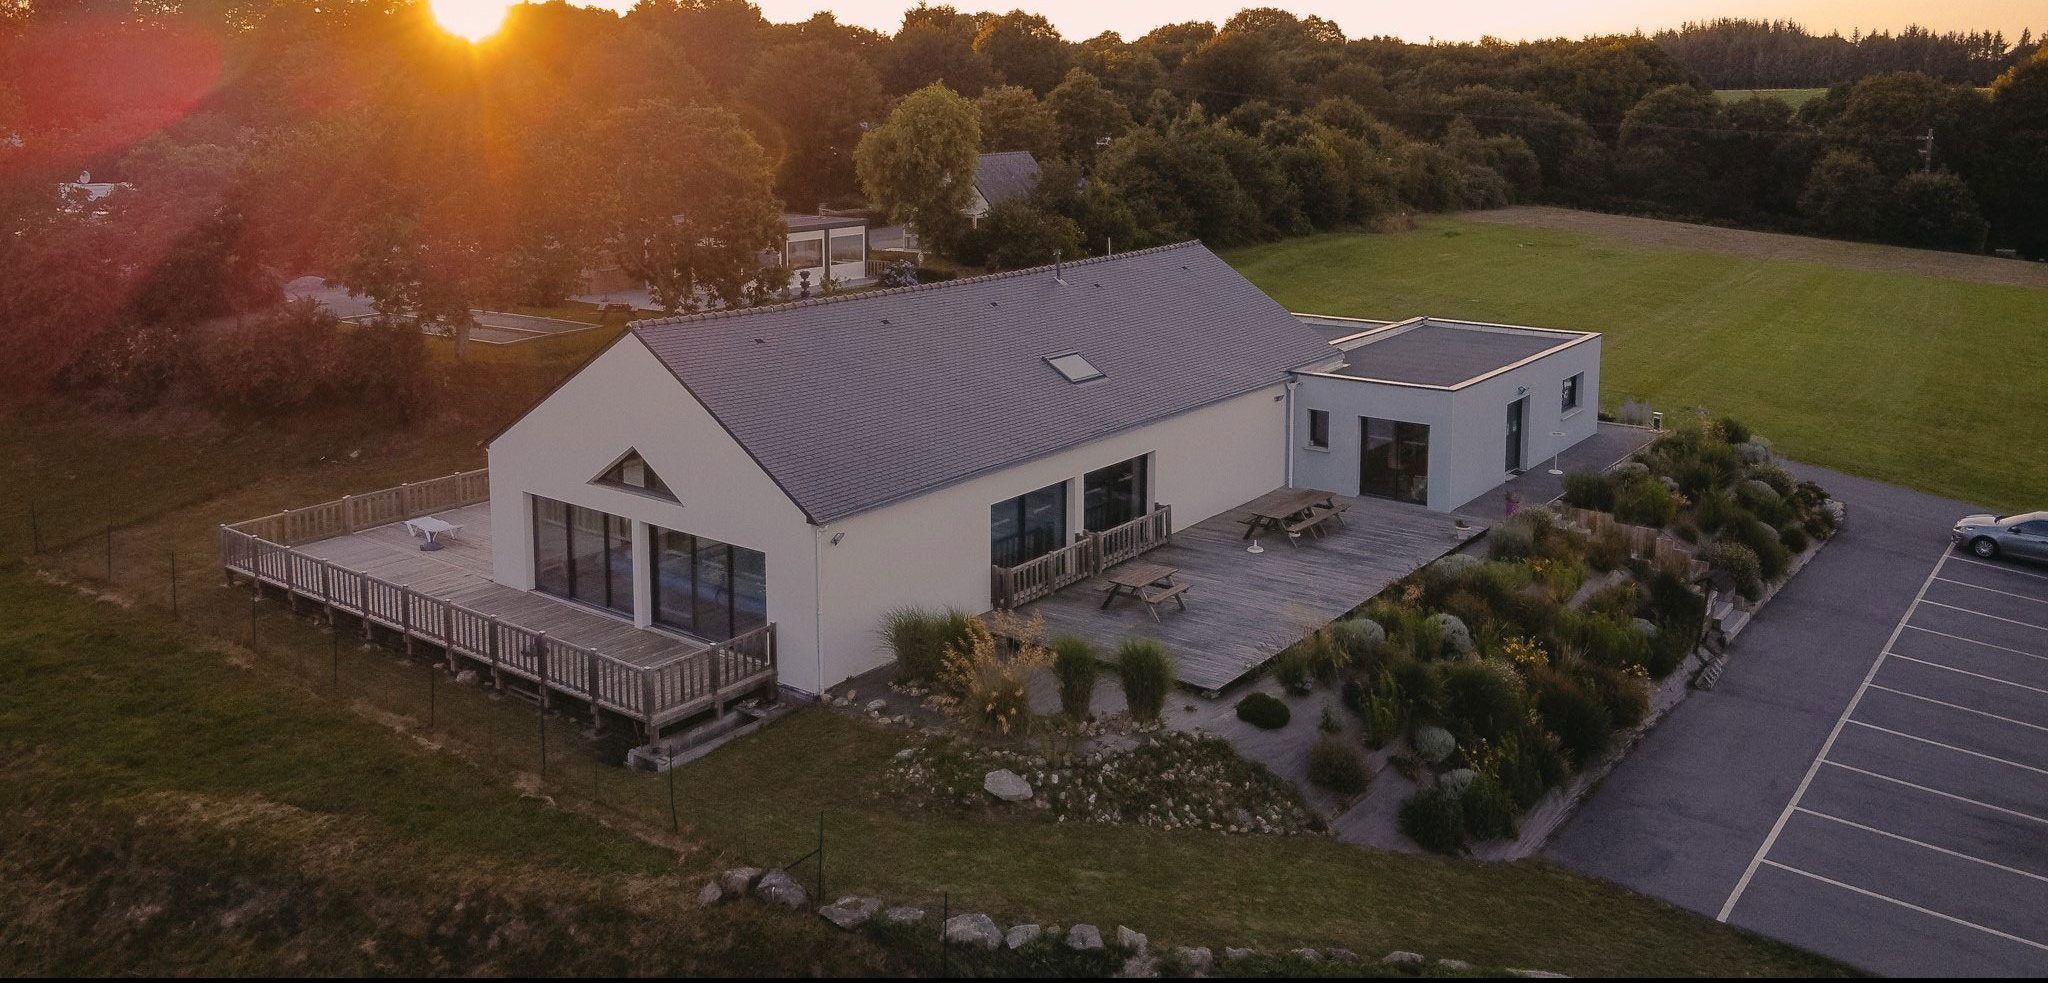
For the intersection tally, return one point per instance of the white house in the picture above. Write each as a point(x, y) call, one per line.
point(815, 247)
point(1000, 177)
point(820, 463)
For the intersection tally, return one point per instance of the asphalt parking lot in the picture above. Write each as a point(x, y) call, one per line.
point(1870, 778)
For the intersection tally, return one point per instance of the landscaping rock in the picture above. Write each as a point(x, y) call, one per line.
point(1007, 785)
point(710, 894)
point(1198, 959)
point(1020, 936)
point(466, 677)
point(877, 706)
point(851, 912)
point(778, 888)
point(1131, 941)
point(1233, 953)
point(1537, 974)
point(974, 929)
point(1084, 937)
point(1139, 967)
point(1400, 957)
point(903, 915)
point(1345, 956)
point(737, 880)
point(1307, 955)
point(1454, 965)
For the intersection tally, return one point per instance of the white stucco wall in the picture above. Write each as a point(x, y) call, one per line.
point(1467, 426)
point(933, 551)
point(625, 399)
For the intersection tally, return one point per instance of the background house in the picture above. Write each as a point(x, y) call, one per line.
point(998, 178)
point(817, 245)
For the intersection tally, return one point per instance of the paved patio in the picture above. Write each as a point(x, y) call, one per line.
point(1244, 608)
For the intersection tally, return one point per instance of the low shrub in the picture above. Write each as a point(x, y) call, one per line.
point(1739, 562)
point(1455, 567)
point(1510, 542)
point(1146, 672)
point(1646, 503)
point(1434, 745)
point(1075, 666)
point(1291, 669)
point(1456, 639)
point(919, 640)
point(1589, 490)
point(1338, 765)
point(1624, 695)
point(1762, 539)
point(1583, 727)
point(1435, 820)
point(1774, 476)
point(1420, 687)
point(1732, 430)
point(1794, 539)
point(1263, 711)
point(1622, 599)
point(1360, 638)
point(1482, 699)
point(1487, 809)
point(1608, 551)
point(1715, 510)
point(1380, 709)
point(992, 678)
point(1528, 763)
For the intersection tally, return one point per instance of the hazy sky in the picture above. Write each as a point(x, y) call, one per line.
point(1463, 20)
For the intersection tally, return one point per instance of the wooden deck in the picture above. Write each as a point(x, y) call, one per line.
point(1244, 608)
point(461, 572)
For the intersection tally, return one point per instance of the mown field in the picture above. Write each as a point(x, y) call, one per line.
point(1794, 97)
point(1933, 383)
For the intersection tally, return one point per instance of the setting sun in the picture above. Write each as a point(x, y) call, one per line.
point(472, 19)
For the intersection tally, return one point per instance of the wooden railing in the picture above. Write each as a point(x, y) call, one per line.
point(351, 513)
point(654, 694)
point(1088, 555)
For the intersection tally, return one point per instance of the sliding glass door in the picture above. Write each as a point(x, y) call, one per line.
point(709, 589)
point(1115, 495)
point(1393, 460)
point(1028, 526)
point(583, 555)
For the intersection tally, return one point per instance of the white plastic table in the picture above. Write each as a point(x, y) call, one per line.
point(431, 529)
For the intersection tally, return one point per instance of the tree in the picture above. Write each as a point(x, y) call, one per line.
point(2018, 168)
point(817, 96)
point(1087, 115)
point(685, 201)
point(1017, 234)
point(924, 52)
point(1667, 147)
point(1844, 194)
point(1025, 50)
point(1235, 66)
point(1014, 119)
point(1934, 209)
point(918, 167)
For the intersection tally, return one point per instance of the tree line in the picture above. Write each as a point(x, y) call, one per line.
point(1733, 53)
point(257, 141)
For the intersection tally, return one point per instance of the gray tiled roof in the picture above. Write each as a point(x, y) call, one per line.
point(1435, 352)
point(1006, 175)
point(855, 401)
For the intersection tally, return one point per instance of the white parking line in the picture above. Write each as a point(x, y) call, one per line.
point(1986, 929)
point(2015, 813)
point(1981, 614)
point(1994, 590)
point(1989, 645)
point(1919, 843)
point(1966, 672)
point(1951, 747)
point(1958, 706)
point(2001, 568)
point(1806, 780)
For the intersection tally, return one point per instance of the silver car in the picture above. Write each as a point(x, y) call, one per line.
point(2018, 536)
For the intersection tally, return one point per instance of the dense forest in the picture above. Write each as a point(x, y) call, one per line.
point(251, 142)
point(1730, 53)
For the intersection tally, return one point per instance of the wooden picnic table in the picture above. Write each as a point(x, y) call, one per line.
point(1277, 509)
point(1151, 583)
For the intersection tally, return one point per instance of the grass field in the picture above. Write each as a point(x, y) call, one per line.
point(1794, 97)
point(1932, 383)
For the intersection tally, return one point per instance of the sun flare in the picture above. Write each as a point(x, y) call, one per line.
point(471, 19)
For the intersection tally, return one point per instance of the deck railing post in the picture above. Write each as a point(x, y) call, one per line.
point(491, 644)
point(327, 591)
point(647, 700)
point(540, 650)
point(448, 633)
point(405, 616)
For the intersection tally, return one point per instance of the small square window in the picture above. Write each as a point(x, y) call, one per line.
point(1319, 429)
point(1074, 367)
point(1572, 391)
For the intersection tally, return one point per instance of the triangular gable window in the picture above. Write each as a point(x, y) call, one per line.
point(632, 472)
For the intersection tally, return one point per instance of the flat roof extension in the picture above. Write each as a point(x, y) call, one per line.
point(1437, 353)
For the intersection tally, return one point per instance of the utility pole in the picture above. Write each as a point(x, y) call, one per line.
point(1927, 150)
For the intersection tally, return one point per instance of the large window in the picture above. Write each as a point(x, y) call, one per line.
point(1573, 391)
point(1394, 460)
point(1319, 429)
point(583, 554)
point(1115, 495)
point(806, 254)
point(849, 247)
point(1028, 526)
point(709, 589)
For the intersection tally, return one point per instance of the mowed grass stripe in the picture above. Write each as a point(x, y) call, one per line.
point(1919, 380)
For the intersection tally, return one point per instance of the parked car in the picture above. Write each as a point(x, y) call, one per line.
point(2018, 536)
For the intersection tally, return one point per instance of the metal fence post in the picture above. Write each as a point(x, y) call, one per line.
point(945, 915)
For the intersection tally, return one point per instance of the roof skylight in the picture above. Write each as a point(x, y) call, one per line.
point(1074, 367)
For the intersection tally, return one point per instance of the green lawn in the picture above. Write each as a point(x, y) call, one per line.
point(1794, 97)
point(1931, 383)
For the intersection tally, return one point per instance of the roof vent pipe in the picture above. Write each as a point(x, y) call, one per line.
point(1059, 269)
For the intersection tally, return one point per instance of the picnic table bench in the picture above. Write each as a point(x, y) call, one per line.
point(1293, 511)
point(1151, 583)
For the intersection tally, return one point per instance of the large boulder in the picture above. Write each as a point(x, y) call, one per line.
point(1020, 936)
point(1131, 940)
point(710, 894)
point(851, 912)
point(1007, 785)
point(778, 888)
point(1196, 960)
point(1084, 937)
point(738, 880)
point(973, 929)
point(903, 915)
point(1400, 957)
